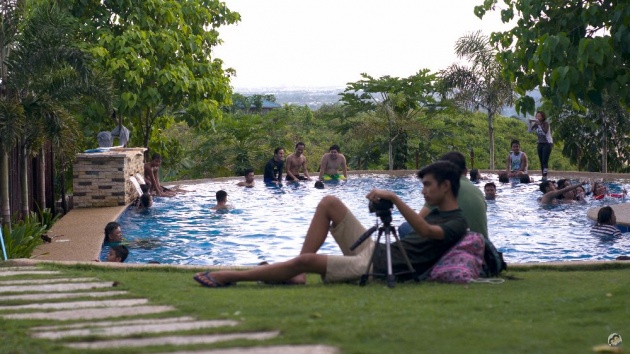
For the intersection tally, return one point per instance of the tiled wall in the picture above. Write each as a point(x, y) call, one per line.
point(102, 179)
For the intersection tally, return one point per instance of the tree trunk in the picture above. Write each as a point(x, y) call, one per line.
point(4, 189)
point(604, 144)
point(24, 179)
point(491, 136)
point(41, 180)
point(391, 148)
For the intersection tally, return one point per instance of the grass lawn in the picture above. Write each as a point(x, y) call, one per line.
point(547, 310)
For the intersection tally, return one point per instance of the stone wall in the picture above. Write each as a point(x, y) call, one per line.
point(102, 179)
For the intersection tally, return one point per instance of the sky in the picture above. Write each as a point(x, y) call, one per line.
point(328, 43)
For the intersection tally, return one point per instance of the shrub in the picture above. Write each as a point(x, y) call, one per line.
point(26, 235)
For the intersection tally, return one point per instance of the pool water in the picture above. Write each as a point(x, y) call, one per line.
point(269, 224)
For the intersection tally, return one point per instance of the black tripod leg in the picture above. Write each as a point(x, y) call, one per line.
point(365, 276)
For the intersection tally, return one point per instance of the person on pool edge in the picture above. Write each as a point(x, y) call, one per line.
point(433, 236)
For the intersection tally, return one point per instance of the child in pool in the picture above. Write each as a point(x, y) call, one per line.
point(606, 221)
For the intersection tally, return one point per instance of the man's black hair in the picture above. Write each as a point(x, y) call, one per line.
point(443, 171)
point(490, 184)
point(276, 150)
point(544, 186)
point(221, 196)
point(156, 156)
point(334, 147)
point(145, 200)
point(247, 171)
point(474, 175)
point(514, 142)
point(121, 252)
point(300, 143)
point(456, 158)
point(144, 188)
point(111, 226)
point(525, 178)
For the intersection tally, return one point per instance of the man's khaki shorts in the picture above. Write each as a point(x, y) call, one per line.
point(352, 264)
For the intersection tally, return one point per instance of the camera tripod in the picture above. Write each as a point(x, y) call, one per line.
point(388, 230)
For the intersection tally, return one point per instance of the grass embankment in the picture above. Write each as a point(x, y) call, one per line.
point(564, 310)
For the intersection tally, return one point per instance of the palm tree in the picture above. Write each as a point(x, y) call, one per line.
point(479, 85)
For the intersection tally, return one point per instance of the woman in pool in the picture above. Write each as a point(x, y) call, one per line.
point(600, 192)
point(606, 221)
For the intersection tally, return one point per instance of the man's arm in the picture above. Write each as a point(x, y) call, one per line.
point(148, 173)
point(305, 169)
point(322, 167)
point(345, 167)
point(548, 197)
point(415, 220)
point(508, 169)
point(524, 162)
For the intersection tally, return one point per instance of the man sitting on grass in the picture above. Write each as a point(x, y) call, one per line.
point(431, 237)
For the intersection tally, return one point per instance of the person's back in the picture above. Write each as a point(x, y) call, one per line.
point(606, 224)
point(221, 200)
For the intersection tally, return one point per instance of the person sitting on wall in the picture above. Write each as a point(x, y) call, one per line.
point(295, 162)
point(330, 164)
point(152, 177)
point(516, 161)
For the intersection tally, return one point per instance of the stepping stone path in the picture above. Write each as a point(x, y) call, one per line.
point(34, 295)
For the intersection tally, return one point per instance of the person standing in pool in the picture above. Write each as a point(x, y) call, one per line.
point(433, 237)
point(330, 164)
point(545, 141)
point(295, 161)
point(113, 234)
point(490, 191)
point(249, 179)
point(273, 168)
point(606, 224)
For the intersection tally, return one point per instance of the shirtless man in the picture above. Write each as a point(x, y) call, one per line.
point(331, 162)
point(249, 179)
point(221, 200)
point(151, 175)
point(294, 162)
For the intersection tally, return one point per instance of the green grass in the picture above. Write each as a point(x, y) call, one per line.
point(564, 310)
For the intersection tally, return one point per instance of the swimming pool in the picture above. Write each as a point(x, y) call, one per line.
point(269, 224)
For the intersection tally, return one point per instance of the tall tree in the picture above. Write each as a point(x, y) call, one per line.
point(396, 101)
point(571, 50)
point(480, 84)
point(159, 54)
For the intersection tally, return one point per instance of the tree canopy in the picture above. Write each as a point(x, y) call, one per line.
point(159, 53)
point(572, 50)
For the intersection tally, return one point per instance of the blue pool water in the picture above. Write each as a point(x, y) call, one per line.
point(270, 223)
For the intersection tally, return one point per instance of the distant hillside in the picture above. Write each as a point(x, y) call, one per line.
point(318, 96)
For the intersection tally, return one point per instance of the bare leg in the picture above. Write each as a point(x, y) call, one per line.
point(329, 209)
point(306, 263)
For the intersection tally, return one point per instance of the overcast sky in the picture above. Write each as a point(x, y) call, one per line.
point(327, 43)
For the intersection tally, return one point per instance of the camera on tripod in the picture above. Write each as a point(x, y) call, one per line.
point(382, 208)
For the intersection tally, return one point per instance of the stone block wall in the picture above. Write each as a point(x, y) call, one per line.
point(102, 179)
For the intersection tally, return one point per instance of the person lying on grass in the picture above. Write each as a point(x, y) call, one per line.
point(433, 236)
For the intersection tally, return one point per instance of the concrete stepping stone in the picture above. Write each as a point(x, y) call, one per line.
point(89, 314)
point(49, 296)
point(172, 340)
point(116, 323)
point(46, 281)
point(76, 305)
point(29, 272)
point(60, 287)
point(277, 349)
point(129, 330)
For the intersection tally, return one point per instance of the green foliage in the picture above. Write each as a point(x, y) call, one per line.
point(159, 53)
point(392, 105)
point(575, 50)
point(24, 236)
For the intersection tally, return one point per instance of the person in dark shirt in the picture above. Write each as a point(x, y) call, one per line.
point(273, 168)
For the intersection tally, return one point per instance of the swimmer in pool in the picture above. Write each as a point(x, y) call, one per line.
point(490, 191)
point(249, 179)
point(295, 162)
point(221, 201)
point(330, 164)
point(553, 195)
